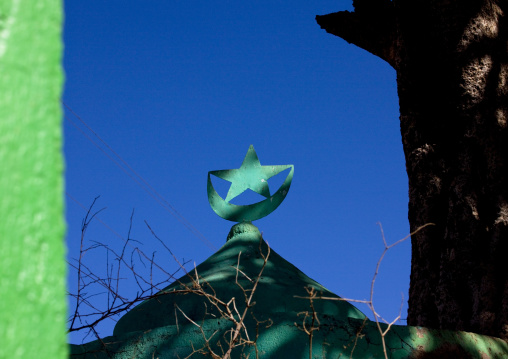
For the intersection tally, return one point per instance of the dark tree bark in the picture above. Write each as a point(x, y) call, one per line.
point(451, 59)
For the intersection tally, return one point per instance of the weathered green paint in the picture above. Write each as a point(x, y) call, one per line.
point(250, 175)
point(287, 341)
point(32, 266)
point(275, 296)
point(151, 329)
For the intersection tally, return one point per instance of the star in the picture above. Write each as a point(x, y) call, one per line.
point(251, 175)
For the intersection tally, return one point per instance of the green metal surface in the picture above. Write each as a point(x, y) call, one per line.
point(219, 272)
point(251, 175)
point(332, 341)
point(156, 329)
point(32, 266)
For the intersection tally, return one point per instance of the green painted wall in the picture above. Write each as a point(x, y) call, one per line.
point(32, 266)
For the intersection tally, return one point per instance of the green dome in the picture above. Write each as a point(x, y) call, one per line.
point(273, 325)
point(276, 296)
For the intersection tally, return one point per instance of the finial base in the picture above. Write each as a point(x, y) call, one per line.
point(244, 230)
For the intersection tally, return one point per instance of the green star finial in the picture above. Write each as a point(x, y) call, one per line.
point(250, 175)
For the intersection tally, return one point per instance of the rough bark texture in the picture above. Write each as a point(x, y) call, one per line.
point(451, 58)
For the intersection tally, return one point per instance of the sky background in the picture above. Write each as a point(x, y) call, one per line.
point(180, 88)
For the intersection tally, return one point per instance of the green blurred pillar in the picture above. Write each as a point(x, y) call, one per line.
point(32, 266)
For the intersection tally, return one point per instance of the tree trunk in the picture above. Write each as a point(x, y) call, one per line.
point(451, 58)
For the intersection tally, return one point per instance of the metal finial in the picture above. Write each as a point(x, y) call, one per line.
point(251, 175)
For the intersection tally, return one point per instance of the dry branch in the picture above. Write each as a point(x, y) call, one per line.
point(370, 303)
point(90, 311)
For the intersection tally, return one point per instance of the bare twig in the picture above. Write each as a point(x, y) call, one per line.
point(86, 221)
point(237, 336)
point(86, 314)
point(370, 302)
point(309, 330)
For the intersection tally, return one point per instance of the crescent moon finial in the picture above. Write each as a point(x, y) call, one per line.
point(250, 175)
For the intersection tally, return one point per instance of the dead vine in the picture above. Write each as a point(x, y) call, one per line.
point(370, 302)
point(238, 336)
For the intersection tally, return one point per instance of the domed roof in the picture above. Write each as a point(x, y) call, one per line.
point(223, 275)
point(191, 317)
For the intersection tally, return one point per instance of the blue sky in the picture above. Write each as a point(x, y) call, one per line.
point(180, 88)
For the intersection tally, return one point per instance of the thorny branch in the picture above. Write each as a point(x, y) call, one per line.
point(312, 315)
point(370, 302)
point(237, 336)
